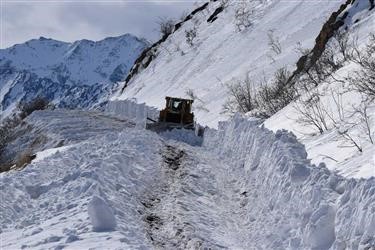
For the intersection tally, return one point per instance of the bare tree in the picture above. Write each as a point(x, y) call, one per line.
point(26, 108)
point(274, 96)
point(274, 42)
point(365, 121)
point(224, 3)
point(337, 51)
point(351, 124)
point(300, 50)
point(356, 127)
point(363, 79)
point(341, 41)
point(338, 116)
point(348, 137)
point(243, 17)
point(264, 99)
point(6, 127)
point(242, 96)
point(200, 105)
point(344, 122)
point(166, 26)
point(320, 71)
point(312, 112)
point(190, 35)
point(190, 93)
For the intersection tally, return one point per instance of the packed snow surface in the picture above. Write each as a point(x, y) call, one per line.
point(129, 188)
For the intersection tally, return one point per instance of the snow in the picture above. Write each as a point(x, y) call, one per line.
point(101, 182)
point(245, 188)
point(49, 152)
point(292, 204)
point(80, 74)
point(86, 62)
point(55, 193)
point(330, 147)
point(221, 53)
point(101, 215)
point(133, 111)
point(183, 135)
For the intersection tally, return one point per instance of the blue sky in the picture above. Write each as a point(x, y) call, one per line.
point(70, 20)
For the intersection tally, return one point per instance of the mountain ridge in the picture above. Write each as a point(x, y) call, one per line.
point(56, 70)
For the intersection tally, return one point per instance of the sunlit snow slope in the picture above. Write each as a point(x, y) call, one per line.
point(221, 53)
point(330, 147)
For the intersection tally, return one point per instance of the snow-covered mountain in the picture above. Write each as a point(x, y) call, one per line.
point(76, 74)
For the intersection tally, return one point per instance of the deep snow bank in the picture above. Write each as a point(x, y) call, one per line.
point(293, 204)
point(128, 188)
point(84, 196)
point(132, 111)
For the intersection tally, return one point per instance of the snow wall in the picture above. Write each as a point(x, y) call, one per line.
point(131, 110)
point(292, 203)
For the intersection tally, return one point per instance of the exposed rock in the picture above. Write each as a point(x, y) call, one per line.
point(328, 30)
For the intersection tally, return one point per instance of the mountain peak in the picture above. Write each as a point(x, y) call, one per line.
point(42, 38)
point(90, 67)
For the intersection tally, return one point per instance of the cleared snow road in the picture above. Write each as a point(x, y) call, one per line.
point(126, 188)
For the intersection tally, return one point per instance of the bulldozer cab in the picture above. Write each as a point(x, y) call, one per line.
point(177, 111)
point(178, 105)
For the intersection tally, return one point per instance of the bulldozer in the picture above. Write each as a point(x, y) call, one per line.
point(176, 114)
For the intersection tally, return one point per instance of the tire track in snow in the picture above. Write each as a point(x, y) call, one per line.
point(164, 211)
point(160, 216)
point(182, 209)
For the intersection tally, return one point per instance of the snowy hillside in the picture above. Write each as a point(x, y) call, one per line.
point(343, 104)
point(76, 74)
point(222, 53)
point(126, 188)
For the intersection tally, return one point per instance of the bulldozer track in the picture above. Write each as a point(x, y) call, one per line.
point(163, 226)
point(173, 157)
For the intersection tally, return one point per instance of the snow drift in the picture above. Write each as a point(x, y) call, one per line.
point(293, 204)
point(131, 110)
point(84, 195)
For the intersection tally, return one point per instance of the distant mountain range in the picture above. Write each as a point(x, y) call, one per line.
point(72, 75)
